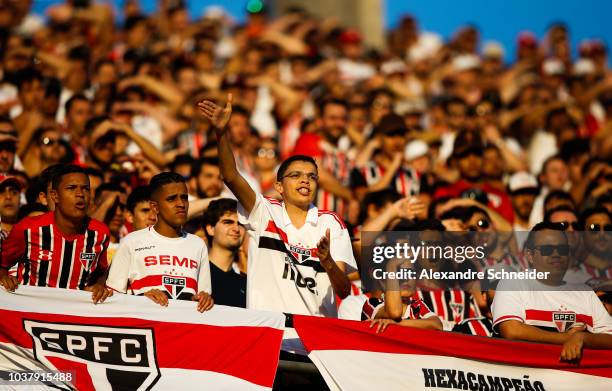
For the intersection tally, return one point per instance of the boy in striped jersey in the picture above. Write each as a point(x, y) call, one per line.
point(299, 255)
point(61, 249)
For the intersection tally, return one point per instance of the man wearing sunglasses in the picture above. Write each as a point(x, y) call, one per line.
point(566, 216)
point(596, 266)
point(550, 310)
point(298, 254)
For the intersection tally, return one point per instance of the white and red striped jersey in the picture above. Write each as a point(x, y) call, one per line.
point(406, 181)
point(586, 274)
point(284, 270)
point(535, 304)
point(48, 257)
point(451, 305)
point(481, 326)
point(147, 260)
point(362, 307)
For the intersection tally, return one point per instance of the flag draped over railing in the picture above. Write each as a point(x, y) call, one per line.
point(350, 356)
point(131, 343)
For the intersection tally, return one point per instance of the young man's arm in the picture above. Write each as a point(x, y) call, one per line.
point(97, 286)
point(431, 323)
point(219, 117)
point(13, 249)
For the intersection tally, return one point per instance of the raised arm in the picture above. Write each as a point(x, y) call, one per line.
point(219, 117)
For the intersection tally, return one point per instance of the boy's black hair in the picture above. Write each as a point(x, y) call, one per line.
point(164, 178)
point(64, 170)
point(216, 210)
point(138, 195)
point(282, 169)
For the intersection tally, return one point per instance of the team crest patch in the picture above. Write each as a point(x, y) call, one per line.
point(87, 259)
point(300, 254)
point(457, 309)
point(174, 285)
point(564, 320)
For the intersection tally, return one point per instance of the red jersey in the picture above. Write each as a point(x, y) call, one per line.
point(498, 200)
point(48, 257)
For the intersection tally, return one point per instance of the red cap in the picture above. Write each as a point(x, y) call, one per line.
point(8, 180)
point(527, 39)
point(350, 36)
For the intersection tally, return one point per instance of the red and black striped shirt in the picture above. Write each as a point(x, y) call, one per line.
point(48, 257)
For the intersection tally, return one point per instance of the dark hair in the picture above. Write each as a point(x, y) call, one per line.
point(74, 98)
point(544, 225)
point(332, 101)
point(196, 166)
point(560, 195)
point(561, 208)
point(590, 212)
point(453, 100)
point(27, 75)
point(30, 207)
point(282, 169)
point(138, 195)
point(133, 21)
point(464, 213)
point(64, 170)
point(378, 199)
point(40, 183)
point(164, 178)
point(109, 186)
point(216, 210)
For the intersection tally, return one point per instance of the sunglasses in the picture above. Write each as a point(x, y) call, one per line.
point(481, 224)
point(49, 141)
point(548, 249)
point(599, 227)
point(565, 224)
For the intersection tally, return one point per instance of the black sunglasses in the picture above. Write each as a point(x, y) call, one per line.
point(599, 227)
point(565, 224)
point(480, 224)
point(548, 249)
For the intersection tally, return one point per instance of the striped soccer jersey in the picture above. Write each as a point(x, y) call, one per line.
point(284, 270)
point(48, 257)
point(535, 304)
point(481, 326)
point(406, 181)
point(451, 305)
point(146, 260)
point(362, 307)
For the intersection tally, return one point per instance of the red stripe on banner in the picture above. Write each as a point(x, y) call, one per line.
point(335, 334)
point(249, 353)
point(547, 316)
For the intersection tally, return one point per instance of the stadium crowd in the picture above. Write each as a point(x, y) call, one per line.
point(124, 147)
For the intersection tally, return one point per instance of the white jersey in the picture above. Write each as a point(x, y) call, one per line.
point(284, 271)
point(147, 260)
point(533, 303)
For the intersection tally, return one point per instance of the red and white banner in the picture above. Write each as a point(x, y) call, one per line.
point(131, 343)
point(350, 356)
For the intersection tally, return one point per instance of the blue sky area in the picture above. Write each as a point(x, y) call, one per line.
point(499, 20)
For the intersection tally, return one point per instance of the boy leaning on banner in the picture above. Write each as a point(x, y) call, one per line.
point(299, 255)
point(60, 249)
point(162, 261)
point(551, 310)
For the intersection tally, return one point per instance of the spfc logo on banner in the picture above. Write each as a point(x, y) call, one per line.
point(113, 358)
point(174, 285)
point(564, 320)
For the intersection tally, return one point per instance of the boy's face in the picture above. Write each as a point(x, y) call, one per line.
point(299, 184)
point(170, 204)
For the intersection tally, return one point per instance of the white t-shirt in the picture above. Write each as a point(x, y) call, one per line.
point(533, 303)
point(284, 271)
point(147, 260)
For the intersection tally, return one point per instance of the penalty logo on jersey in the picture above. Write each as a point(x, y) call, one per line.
point(120, 357)
point(564, 320)
point(174, 285)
